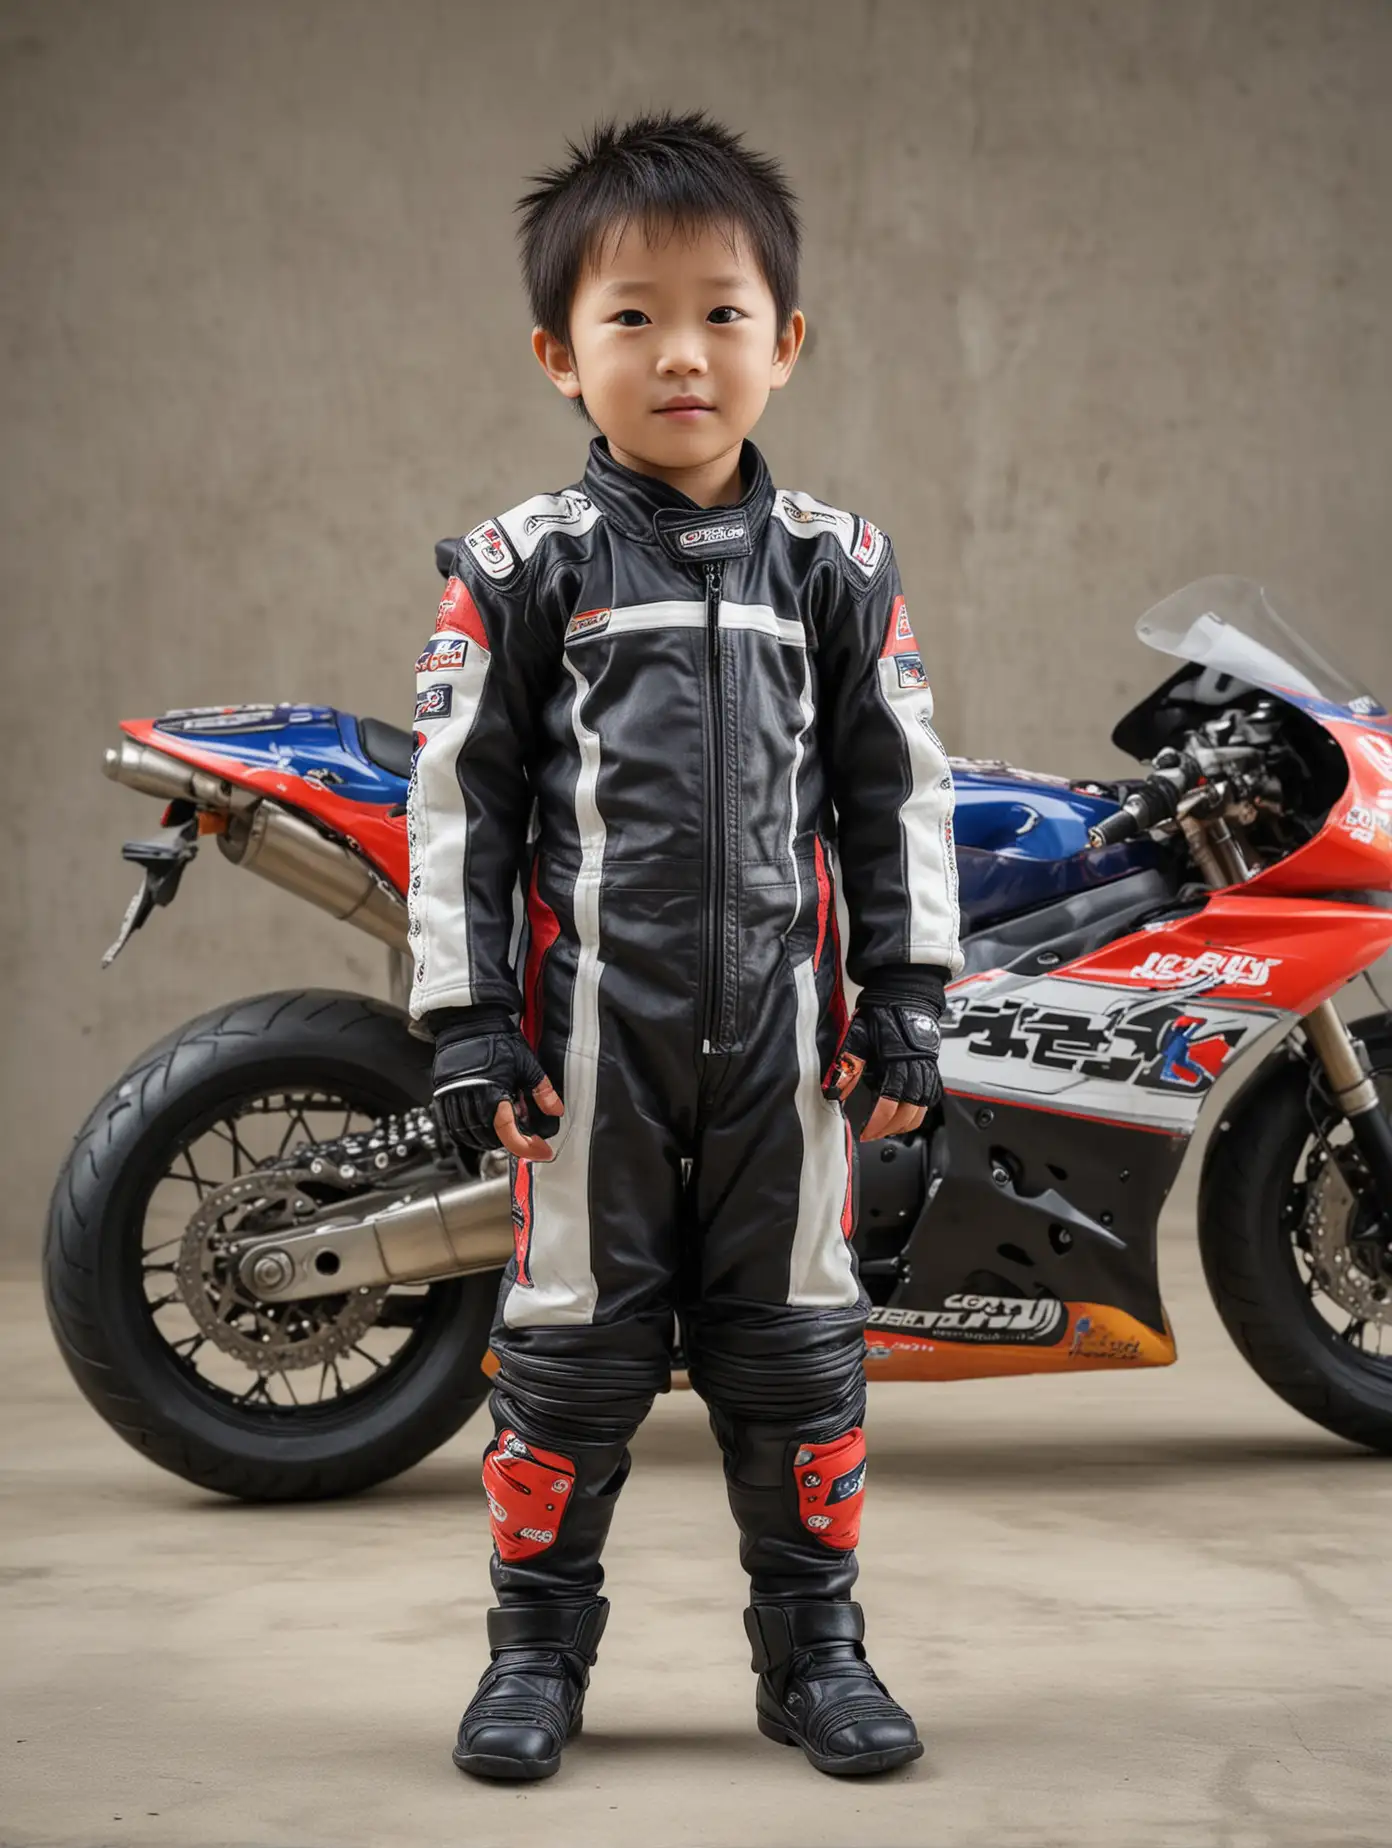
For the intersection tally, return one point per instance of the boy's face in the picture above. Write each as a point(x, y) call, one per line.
point(675, 346)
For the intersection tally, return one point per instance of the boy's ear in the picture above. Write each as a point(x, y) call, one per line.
point(789, 346)
point(556, 362)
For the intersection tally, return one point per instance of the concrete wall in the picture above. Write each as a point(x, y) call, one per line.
point(1099, 298)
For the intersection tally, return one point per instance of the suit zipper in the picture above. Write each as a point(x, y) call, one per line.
point(715, 830)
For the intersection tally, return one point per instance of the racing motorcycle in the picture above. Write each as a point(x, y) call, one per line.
point(268, 1272)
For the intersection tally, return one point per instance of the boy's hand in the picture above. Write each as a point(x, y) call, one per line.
point(896, 1047)
point(486, 1075)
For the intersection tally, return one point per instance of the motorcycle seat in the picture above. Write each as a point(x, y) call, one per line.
point(387, 746)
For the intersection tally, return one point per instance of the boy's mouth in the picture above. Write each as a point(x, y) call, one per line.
point(684, 410)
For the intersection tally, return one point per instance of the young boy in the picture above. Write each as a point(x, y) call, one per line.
point(643, 700)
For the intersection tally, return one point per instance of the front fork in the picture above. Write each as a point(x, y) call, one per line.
point(1219, 855)
point(1349, 1071)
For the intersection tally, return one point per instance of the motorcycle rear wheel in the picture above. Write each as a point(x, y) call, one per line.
point(311, 1050)
point(1269, 1287)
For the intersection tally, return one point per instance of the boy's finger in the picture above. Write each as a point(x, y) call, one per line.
point(515, 1140)
point(549, 1098)
point(890, 1117)
point(880, 1118)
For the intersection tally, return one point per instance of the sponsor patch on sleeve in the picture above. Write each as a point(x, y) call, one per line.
point(442, 654)
point(491, 549)
point(869, 548)
point(899, 635)
point(911, 670)
point(435, 702)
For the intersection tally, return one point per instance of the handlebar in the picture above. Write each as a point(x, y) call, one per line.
point(1157, 800)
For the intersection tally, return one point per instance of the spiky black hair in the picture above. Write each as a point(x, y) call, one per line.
point(675, 172)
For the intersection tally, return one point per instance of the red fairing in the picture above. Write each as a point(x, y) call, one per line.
point(380, 834)
point(1353, 850)
point(1287, 953)
point(459, 614)
point(528, 1492)
point(831, 1488)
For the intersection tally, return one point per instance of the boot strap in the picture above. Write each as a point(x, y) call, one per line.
point(575, 1628)
point(777, 1632)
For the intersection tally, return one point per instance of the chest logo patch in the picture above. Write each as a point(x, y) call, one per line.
point(697, 538)
point(587, 622)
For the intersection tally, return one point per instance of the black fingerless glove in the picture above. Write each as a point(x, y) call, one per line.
point(894, 1038)
point(480, 1059)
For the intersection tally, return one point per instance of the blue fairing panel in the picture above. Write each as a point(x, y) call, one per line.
point(304, 740)
point(1022, 840)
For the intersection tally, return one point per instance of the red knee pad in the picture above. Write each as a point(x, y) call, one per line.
point(528, 1492)
point(831, 1488)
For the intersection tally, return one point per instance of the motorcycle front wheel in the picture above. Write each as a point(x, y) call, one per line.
point(1283, 1200)
point(292, 1403)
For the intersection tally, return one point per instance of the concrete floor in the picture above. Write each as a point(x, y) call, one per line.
point(1147, 1610)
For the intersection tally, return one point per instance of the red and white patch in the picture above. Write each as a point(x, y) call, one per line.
point(868, 548)
point(459, 614)
point(491, 549)
point(442, 654)
point(899, 635)
point(528, 1491)
point(831, 1488)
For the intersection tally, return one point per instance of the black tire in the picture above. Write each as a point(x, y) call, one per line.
point(92, 1261)
point(1250, 1173)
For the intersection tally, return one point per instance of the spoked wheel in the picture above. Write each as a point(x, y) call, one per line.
point(1285, 1217)
point(253, 1353)
point(196, 1149)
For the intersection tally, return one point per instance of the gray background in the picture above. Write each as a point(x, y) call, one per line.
point(1099, 298)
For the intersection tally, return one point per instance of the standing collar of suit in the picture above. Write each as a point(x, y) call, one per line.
point(655, 513)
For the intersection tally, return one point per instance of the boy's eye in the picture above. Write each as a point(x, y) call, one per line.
point(723, 316)
point(631, 317)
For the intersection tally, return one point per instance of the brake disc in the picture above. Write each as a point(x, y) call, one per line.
point(267, 1337)
point(1330, 1215)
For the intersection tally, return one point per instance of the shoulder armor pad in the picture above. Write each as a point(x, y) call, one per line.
point(808, 518)
point(501, 547)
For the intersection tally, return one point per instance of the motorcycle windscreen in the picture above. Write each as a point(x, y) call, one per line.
point(1230, 626)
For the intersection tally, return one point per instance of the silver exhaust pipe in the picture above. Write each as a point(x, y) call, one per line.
point(155, 773)
point(270, 841)
point(292, 854)
point(451, 1233)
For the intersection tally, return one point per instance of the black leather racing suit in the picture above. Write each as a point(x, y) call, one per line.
point(641, 725)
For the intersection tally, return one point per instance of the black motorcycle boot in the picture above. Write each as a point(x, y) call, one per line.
point(530, 1699)
point(817, 1690)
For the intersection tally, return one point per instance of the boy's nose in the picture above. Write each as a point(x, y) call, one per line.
point(682, 361)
